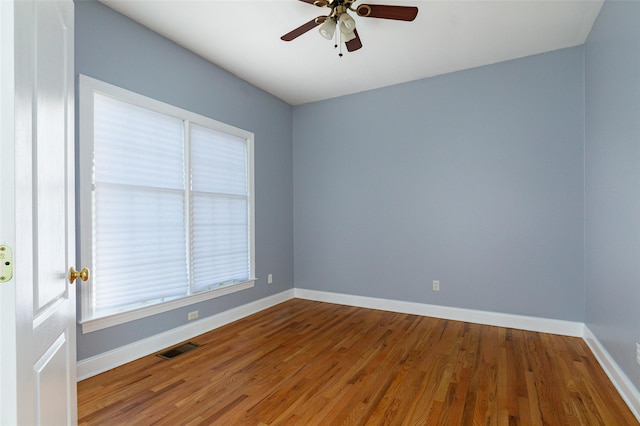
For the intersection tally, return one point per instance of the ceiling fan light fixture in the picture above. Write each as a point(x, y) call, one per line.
point(328, 29)
point(347, 23)
point(339, 16)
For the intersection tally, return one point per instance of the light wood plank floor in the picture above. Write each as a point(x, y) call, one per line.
point(311, 363)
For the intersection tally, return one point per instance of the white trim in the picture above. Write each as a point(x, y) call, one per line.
point(106, 361)
point(541, 325)
point(95, 324)
point(8, 354)
point(625, 388)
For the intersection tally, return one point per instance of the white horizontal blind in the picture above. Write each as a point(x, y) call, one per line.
point(139, 242)
point(219, 209)
point(171, 217)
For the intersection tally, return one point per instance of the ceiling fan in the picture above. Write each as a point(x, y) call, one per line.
point(339, 18)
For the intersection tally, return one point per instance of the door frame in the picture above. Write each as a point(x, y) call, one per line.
point(8, 376)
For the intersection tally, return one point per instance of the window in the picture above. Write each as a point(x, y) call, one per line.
point(166, 199)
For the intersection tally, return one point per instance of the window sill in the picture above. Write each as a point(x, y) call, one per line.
point(95, 324)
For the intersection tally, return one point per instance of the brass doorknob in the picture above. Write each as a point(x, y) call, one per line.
point(73, 274)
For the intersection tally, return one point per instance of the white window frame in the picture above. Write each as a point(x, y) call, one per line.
point(88, 87)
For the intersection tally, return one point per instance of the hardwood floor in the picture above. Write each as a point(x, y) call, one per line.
point(312, 363)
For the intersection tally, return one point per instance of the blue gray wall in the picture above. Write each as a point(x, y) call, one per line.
point(116, 50)
point(473, 178)
point(612, 182)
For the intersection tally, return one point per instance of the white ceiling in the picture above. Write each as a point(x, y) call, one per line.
point(243, 37)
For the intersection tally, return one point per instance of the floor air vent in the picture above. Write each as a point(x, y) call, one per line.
point(178, 350)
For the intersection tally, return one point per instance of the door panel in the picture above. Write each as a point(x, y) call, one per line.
point(50, 149)
point(49, 373)
point(44, 205)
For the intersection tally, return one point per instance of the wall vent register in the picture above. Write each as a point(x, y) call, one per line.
point(178, 350)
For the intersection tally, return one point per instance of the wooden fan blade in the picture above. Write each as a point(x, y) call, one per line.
point(354, 44)
point(303, 28)
point(399, 13)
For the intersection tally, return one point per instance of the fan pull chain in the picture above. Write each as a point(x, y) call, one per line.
point(336, 42)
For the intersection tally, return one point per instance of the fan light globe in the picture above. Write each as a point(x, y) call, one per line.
point(347, 24)
point(328, 29)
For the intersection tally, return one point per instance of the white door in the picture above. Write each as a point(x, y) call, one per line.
point(43, 215)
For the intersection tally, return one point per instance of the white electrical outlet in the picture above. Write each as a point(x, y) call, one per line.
point(638, 353)
point(193, 315)
point(270, 279)
point(436, 285)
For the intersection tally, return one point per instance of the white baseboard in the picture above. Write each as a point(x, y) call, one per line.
point(106, 361)
point(541, 325)
point(625, 388)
